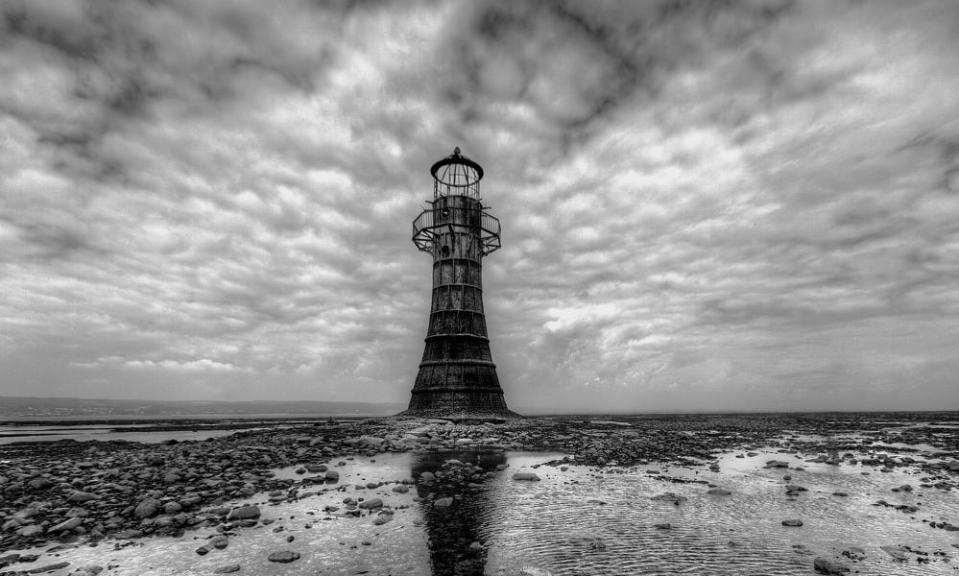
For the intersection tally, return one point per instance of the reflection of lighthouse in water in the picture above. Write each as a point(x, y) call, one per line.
point(457, 377)
point(453, 529)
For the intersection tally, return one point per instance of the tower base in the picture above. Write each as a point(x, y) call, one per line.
point(459, 405)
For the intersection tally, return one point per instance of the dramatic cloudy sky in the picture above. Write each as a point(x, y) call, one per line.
point(705, 205)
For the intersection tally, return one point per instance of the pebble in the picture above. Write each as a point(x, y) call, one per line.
point(718, 492)
point(227, 569)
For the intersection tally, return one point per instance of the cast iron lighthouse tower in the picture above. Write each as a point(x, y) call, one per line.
point(457, 377)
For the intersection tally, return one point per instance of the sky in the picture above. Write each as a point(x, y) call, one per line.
point(705, 205)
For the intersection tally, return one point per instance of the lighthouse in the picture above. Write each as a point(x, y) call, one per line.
point(457, 378)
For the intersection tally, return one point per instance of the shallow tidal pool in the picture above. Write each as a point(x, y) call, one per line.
point(574, 520)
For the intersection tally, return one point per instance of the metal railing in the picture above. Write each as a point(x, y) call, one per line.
point(433, 221)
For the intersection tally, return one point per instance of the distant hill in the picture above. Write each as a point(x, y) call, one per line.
point(25, 407)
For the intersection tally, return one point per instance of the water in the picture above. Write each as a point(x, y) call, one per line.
point(579, 521)
point(87, 432)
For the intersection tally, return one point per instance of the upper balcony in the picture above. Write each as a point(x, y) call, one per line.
point(433, 222)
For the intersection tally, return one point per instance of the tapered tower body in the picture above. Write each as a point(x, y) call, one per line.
point(457, 377)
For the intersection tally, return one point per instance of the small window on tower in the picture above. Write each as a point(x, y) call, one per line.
point(446, 251)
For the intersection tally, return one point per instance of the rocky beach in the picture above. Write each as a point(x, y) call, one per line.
point(71, 507)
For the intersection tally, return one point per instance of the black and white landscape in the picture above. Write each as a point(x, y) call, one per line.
point(726, 302)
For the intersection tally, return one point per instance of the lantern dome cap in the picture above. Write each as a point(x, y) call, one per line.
point(456, 170)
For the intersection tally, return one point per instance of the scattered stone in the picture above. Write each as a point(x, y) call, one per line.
point(48, 568)
point(777, 464)
point(371, 503)
point(65, 525)
point(526, 476)
point(792, 522)
point(898, 553)
point(676, 499)
point(248, 512)
point(382, 518)
point(227, 569)
point(147, 508)
point(719, 492)
point(80, 497)
point(40, 483)
point(443, 502)
point(283, 556)
point(826, 566)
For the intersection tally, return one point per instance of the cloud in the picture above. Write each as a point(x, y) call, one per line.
point(743, 205)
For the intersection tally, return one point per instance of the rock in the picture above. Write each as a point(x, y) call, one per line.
point(283, 556)
point(48, 568)
point(443, 502)
point(219, 542)
point(80, 497)
point(826, 566)
point(427, 477)
point(526, 476)
point(401, 489)
point(172, 508)
point(383, 518)
point(40, 483)
point(65, 525)
point(371, 503)
point(718, 492)
point(227, 569)
point(147, 508)
point(29, 531)
point(11, 524)
point(777, 464)
point(332, 475)
point(792, 522)
point(128, 534)
point(248, 512)
point(203, 550)
point(854, 553)
point(898, 553)
point(669, 497)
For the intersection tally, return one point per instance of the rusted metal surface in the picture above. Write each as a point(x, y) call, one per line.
point(457, 376)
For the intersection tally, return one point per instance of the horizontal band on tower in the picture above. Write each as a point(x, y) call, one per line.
point(457, 362)
point(482, 390)
point(456, 335)
point(476, 286)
